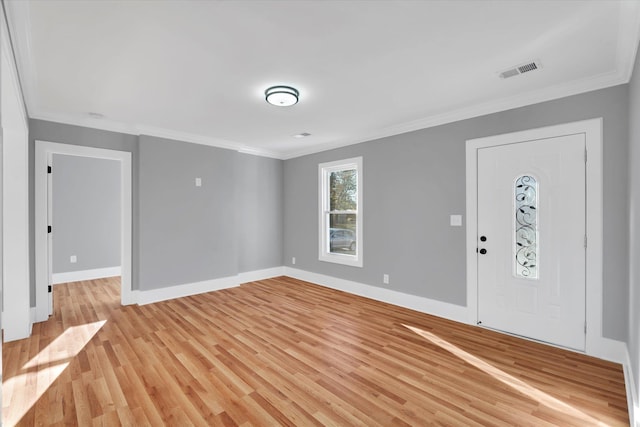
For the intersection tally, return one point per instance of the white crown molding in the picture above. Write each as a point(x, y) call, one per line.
point(628, 36)
point(8, 53)
point(138, 130)
point(75, 120)
point(521, 100)
point(23, 62)
point(495, 106)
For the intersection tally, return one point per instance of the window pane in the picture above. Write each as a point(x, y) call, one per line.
point(343, 190)
point(342, 233)
point(526, 227)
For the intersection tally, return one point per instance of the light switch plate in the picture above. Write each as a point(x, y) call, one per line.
point(455, 220)
point(198, 182)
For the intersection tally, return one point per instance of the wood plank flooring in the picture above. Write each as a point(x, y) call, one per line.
point(285, 352)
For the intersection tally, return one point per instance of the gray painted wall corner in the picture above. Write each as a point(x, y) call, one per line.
point(414, 181)
point(86, 213)
point(77, 135)
point(633, 338)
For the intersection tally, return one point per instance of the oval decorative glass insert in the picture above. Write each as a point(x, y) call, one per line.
point(526, 227)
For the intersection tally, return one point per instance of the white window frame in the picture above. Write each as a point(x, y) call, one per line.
point(324, 171)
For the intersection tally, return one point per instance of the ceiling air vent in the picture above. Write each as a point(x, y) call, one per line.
point(521, 69)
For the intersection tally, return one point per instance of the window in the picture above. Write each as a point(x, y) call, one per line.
point(341, 211)
point(525, 238)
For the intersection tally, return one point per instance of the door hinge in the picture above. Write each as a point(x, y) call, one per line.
point(585, 327)
point(585, 241)
point(49, 169)
point(585, 155)
point(48, 229)
point(49, 288)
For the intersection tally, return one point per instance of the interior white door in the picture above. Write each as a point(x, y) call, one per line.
point(531, 239)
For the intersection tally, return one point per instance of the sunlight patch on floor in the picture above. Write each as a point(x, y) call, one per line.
point(513, 382)
point(22, 391)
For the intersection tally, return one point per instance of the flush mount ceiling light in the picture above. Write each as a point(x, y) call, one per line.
point(281, 96)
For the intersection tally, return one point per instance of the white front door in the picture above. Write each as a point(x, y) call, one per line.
point(531, 239)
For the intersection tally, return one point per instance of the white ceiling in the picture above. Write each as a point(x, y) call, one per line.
point(197, 70)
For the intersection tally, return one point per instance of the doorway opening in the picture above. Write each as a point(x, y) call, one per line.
point(44, 280)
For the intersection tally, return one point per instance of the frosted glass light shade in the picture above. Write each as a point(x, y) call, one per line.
point(281, 96)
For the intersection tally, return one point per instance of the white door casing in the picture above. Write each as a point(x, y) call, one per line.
point(44, 151)
point(531, 226)
point(596, 345)
point(49, 235)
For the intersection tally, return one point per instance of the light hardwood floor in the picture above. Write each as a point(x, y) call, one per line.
point(286, 352)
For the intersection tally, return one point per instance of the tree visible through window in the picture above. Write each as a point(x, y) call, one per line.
point(340, 223)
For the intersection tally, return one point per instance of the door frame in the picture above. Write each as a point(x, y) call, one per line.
point(595, 344)
point(44, 150)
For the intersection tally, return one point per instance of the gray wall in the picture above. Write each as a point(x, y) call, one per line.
point(86, 213)
point(231, 224)
point(183, 233)
point(77, 135)
point(259, 190)
point(633, 340)
point(414, 181)
point(187, 233)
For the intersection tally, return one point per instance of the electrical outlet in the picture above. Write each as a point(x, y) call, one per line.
point(385, 279)
point(73, 259)
point(293, 260)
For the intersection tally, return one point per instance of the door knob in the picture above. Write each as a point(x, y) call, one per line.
point(483, 251)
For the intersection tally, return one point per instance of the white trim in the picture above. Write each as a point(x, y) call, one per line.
point(19, 20)
point(267, 273)
point(324, 170)
point(596, 344)
point(628, 36)
point(77, 276)
point(45, 149)
point(16, 320)
point(625, 55)
point(577, 87)
point(188, 289)
point(141, 130)
point(632, 398)
point(490, 107)
point(413, 302)
point(185, 290)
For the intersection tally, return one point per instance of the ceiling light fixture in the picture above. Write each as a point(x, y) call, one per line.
point(302, 135)
point(281, 96)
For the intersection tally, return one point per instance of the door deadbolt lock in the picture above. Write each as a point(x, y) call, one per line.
point(483, 238)
point(483, 251)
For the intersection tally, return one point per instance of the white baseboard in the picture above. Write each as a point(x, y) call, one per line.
point(188, 289)
point(13, 336)
point(632, 396)
point(267, 273)
point(76, 276)
point(603, 348)
point(608, 349)
point(425, 305)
